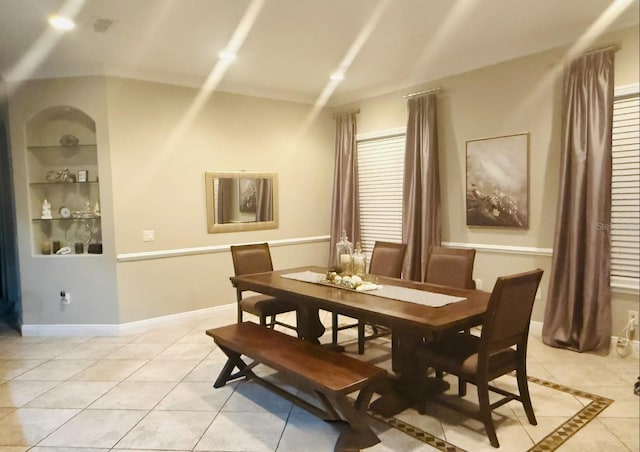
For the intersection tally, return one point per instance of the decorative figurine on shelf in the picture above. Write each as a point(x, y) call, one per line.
point(60, 176)
point(46, 210)
point(86, 212)
point(69, 140)
point(344, 253)
point(96, 210)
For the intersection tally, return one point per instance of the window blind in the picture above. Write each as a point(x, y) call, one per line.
point(625, 191)
point(380, 179)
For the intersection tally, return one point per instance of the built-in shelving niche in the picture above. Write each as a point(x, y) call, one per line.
point(62, 165)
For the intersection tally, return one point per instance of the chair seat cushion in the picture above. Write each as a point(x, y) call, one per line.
point(266, 305)
point(458, 353)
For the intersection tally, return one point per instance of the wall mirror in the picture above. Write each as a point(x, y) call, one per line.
point(241, 201)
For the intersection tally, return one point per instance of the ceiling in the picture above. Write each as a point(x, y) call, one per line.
point(287, 49)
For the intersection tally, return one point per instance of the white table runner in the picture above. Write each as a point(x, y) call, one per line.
point(393, 292)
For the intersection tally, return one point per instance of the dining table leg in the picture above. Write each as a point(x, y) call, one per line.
point(410, 386)
point(310, 328)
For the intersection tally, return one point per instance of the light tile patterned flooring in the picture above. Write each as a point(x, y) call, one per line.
point(153, 391)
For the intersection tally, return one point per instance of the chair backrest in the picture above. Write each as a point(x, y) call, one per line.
point(387, 259)
point(451, 267)
point(253, 258)
point(506, 321)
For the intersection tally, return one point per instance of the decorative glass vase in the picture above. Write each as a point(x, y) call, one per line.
point(344, 254)
point(359, 261)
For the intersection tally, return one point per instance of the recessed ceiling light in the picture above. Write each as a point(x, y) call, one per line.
point(337, 76)
point(61, 23)
point(227, 56)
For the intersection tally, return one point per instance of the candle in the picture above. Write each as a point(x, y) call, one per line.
point(345, 263)
point(46, 247)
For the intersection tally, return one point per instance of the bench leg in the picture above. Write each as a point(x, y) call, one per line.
point(234, 361)
point(330, 413)
point(364, 397)
point(360, 435)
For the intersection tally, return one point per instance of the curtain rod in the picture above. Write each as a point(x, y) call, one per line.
point(614, 46)
point(420, 93)
point(355, 111)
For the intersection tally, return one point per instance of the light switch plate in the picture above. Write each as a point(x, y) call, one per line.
point(148, 235)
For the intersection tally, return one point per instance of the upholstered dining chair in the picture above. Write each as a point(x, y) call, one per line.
point(501, 348)
point(387, 259)
point(256, 258)
point(451, 267)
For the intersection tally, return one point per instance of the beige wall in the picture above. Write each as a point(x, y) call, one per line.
point(158, 169)
point(159, 160)
point(518, 96)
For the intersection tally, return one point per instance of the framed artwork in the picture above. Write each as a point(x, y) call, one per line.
point(497, 189)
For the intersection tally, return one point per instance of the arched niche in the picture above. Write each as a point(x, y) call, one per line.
point(47, 127)
point(64, 190)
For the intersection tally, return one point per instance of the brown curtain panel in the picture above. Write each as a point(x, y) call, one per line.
point(345, 208)
point(264, 200)
point(578, 310)
point(421, 196)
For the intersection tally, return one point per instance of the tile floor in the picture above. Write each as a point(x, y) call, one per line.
point(153, 391)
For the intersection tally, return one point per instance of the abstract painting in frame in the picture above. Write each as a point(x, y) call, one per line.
point(498, 181)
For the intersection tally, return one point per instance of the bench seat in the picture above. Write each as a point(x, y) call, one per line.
point(331, 376)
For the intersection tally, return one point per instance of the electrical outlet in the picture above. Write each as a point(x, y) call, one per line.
point(65, 297)
point(148, 235)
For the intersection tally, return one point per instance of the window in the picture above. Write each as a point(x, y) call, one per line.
point(625, 190)
point(380, 179)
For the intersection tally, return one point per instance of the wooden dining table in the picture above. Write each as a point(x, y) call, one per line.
point(410, 323)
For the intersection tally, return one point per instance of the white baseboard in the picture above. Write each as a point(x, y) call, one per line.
point(123, 329)
point(536, 329)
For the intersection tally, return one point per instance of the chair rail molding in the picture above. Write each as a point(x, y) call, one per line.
point(503, 249)
point(179, 252)
point(618, 284)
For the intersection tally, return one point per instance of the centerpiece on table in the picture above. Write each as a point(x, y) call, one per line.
point(353, 282)
point(349, 270)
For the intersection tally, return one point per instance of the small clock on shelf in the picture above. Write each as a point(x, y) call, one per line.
point(65, 212)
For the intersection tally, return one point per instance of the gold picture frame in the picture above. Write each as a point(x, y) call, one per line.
point(241, 201)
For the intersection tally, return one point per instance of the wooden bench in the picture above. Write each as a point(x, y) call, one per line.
point(329, 375)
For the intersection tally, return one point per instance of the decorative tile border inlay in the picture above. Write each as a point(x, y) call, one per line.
point(569, 428)
point(549, 443)
point(417, 433)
